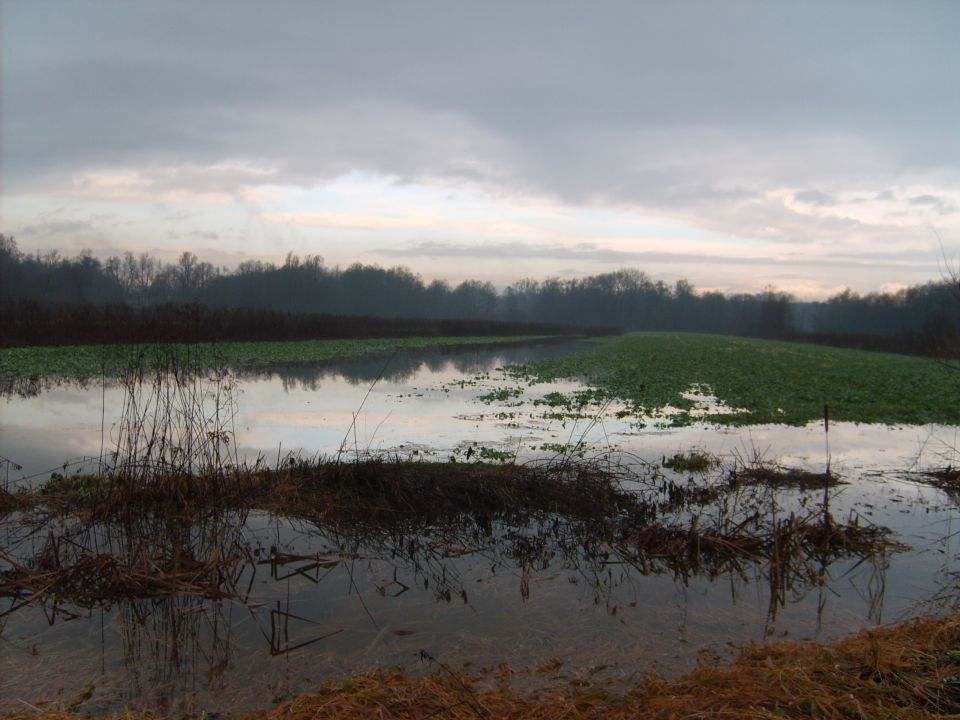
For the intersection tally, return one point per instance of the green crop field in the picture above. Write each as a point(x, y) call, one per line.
point(770, 382)
point(83, 362)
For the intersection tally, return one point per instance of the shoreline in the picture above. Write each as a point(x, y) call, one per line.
point(906, 670)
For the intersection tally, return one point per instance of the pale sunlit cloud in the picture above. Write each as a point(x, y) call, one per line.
point(342, 221)
point(138, 189)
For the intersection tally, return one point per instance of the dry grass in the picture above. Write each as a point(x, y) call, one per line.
point(372, 492)
point(120, 539)
point(133, 540)
point(774, 476)
point(8, 502)
point(114, 539)
point(908, 671)
point(947, 479)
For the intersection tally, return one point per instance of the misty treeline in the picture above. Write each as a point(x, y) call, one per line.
point(918, 319)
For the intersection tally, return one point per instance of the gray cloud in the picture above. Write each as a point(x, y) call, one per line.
point(941, 205)
point(46, 228)
point(200, 83)
point(690, 110)
point(590, 253)
point(815, 197)
point(194, 235)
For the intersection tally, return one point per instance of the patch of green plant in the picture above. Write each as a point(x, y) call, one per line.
point(80, 487)
point(494, 455)
point(85, 362)
point(466, 382)
point(483, 454)
point(577, 399)
point(573, 450)
point(694, 462)
point(501, 395)
point(767, 381)
point(553, 399)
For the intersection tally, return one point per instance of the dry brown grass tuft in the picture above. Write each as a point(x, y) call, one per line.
point(906, 671)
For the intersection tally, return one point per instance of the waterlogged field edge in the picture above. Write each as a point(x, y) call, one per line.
point(762, 381)
point(906, 671)
point(83, 362)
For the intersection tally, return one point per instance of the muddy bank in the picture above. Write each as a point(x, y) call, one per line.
point(911, 670)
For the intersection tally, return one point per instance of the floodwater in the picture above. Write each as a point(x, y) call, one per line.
point(310, 602)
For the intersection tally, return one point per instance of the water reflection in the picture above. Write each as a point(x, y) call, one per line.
point(221, 608)
point(397, 366)
point(191, 608)
point(67, 426)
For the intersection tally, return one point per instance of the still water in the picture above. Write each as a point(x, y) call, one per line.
point(312, 601)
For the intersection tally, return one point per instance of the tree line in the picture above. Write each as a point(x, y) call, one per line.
point(920, 319)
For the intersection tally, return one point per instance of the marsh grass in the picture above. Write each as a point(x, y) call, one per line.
point(8, 501)
point(751, 467)
point(181, 538)
point(176, 424)
point(947, 479)
point(88, 565)
point(777, 476)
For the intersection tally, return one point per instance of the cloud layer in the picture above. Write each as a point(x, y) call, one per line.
point(808, 124)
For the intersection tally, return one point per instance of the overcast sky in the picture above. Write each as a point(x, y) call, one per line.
point(808, 145)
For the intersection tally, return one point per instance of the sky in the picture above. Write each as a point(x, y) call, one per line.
point(811, 146)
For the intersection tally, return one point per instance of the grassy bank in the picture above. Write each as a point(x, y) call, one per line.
point(32, 324)
point(80, 362)
point(767, 381)
point(908, 671)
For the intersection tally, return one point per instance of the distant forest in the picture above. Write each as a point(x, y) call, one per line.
point(921, 319)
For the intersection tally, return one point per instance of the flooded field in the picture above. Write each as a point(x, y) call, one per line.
point(657, 562)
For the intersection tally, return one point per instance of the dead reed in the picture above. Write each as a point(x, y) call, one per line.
point(775, 476)
point(83, 565)
point(947, 479)
point(176, 425)
point(8, 502)
point(120, 541)
point(785, 546)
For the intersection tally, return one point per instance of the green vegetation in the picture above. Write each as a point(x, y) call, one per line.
point(79, 362)
point(693, 462)
point(576, 400)
point(501, 395)
point(763, 381)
